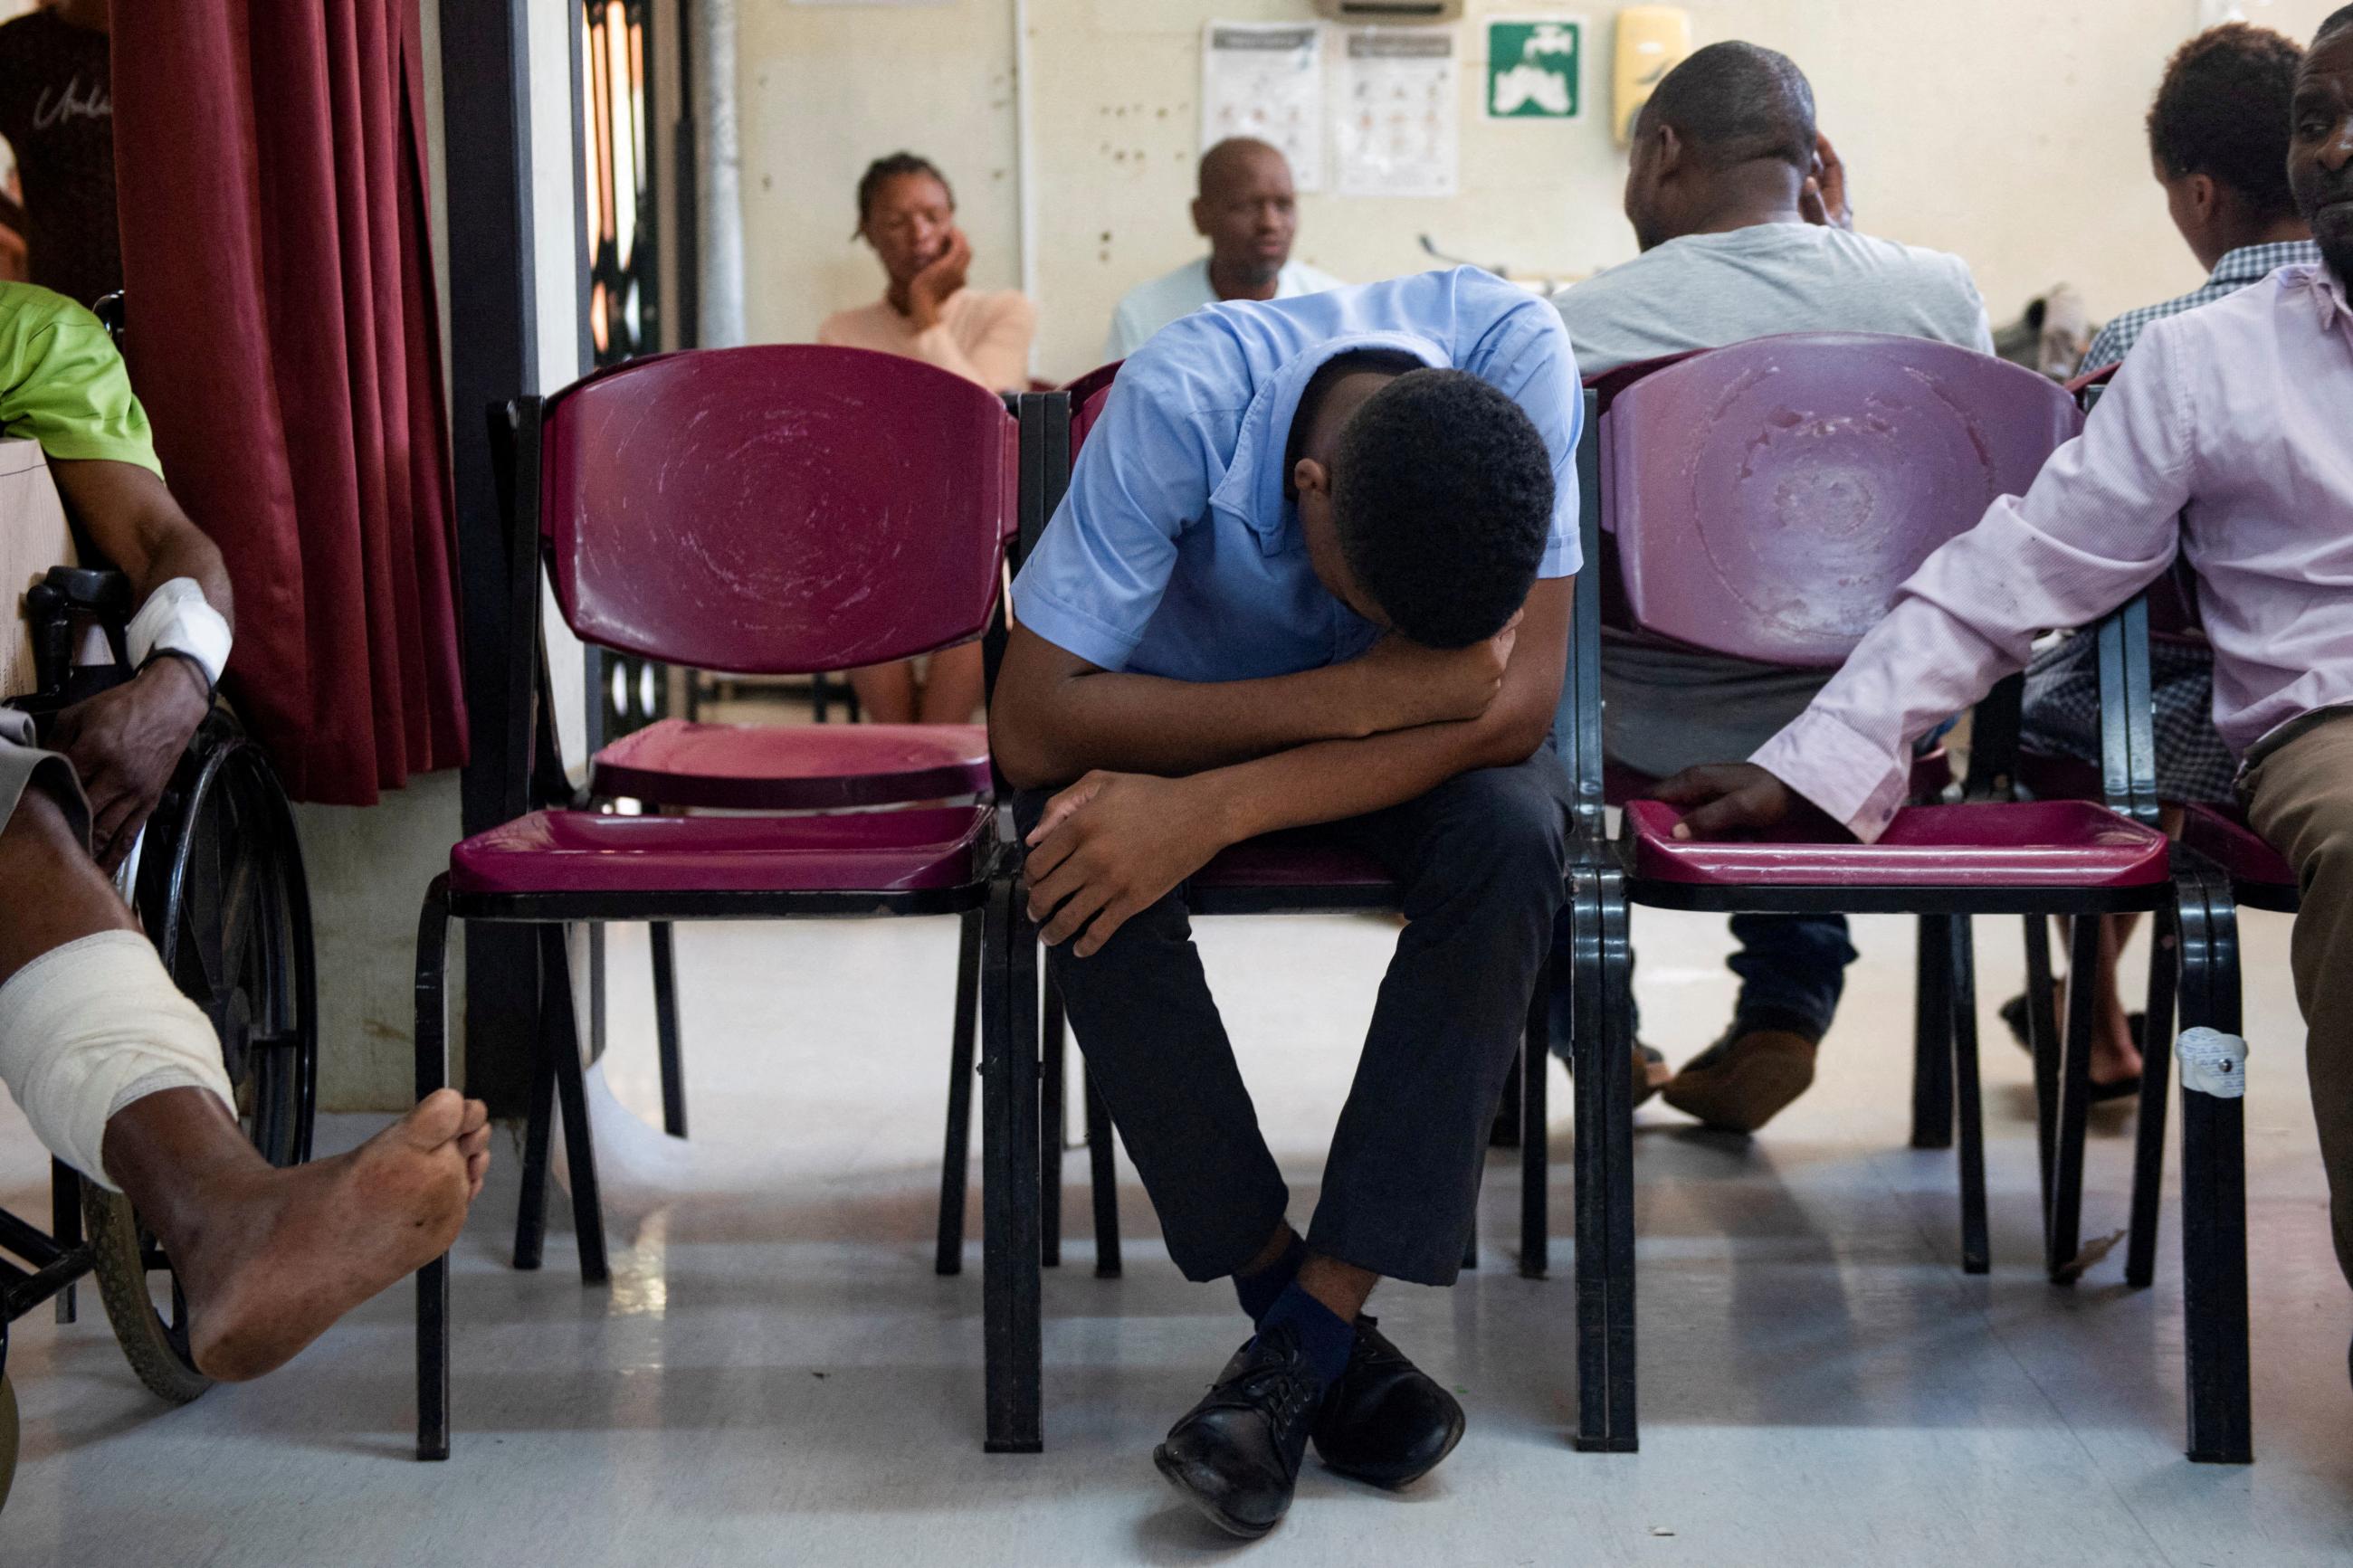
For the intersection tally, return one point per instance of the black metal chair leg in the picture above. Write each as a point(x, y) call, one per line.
point(1470, 1235)
point(1961, 1024)
point(1008, 1136)
point(432, 1072)
point(956, 1154)
point(1604, 1152)
point(1503, 1132)
point(2214, 1197)
point(2064, 1231)
point(530, 1211)
point(1618, 1056)
point(1052, 1080)
point(2042, 1043)
point(1932, 1041)
point(2156, 1089)
point(1536, 1159)
point(1102, 1162)
point(673, 1070)
point(563, 1044)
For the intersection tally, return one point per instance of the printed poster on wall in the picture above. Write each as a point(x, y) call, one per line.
point(1266, 81)
point(1394, 124)
point(1534, 67)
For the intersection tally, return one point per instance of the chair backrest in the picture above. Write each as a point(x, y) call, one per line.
point(1767, 497)
point(1088, 395)
point(776, 509)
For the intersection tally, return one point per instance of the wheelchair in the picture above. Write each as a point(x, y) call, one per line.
point(218, 882)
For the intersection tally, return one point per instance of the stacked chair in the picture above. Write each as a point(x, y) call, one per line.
point(1764, 500)
point(777, 509)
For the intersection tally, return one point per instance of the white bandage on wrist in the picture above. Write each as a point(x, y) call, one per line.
point(88, 1027)
point(177, 619)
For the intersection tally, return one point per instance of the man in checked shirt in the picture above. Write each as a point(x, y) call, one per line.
point(2227, 437)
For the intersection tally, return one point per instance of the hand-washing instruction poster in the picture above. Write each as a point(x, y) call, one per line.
point(1394, 120)
point(1266, 81)
point(1534, 64)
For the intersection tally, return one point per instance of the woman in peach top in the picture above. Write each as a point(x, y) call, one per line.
point(906, 211)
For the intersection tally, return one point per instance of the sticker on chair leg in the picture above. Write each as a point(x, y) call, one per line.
point(2213, 1062)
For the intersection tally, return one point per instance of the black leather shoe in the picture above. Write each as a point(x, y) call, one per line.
point(1386, 1421)
point(1235, 1456)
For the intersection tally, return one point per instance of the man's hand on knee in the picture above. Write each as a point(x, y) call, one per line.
point(1113, 845)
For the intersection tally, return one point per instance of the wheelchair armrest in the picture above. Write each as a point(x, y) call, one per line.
point(98, 590)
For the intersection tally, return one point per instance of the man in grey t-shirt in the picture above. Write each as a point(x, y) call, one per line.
point(1739, 205)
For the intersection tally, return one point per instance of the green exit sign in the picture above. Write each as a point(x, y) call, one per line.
point(1535, 69)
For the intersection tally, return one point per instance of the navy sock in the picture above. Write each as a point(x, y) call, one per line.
point(1325, 1337)
point(1259, 1292)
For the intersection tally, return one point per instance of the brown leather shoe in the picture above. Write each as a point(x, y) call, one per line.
point(1742, 1081)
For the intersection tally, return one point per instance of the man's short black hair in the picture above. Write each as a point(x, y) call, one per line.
point(2223, 111)
point(890, 167)
point(2337, 21)
point(1443, 497)
point(1735, 103)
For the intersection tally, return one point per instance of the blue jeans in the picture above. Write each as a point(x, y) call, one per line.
point(1793, 970)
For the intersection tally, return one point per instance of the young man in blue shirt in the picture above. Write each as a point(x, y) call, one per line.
point(1314, 568)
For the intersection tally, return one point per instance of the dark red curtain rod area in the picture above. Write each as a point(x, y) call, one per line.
point(283, 334)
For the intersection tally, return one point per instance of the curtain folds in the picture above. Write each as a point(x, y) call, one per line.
point(283, 335)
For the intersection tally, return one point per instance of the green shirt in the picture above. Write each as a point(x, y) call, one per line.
point(62, 385)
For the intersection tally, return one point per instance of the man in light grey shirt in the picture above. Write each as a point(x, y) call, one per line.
point(1739, 205)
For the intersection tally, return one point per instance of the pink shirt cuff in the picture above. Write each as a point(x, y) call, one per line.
point(1851, 779)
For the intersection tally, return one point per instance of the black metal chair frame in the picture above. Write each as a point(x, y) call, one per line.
point(1604, 886)
point(533, 766)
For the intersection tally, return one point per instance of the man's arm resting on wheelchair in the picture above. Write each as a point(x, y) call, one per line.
point(1114, 842)
point(125, 743)
point(141, 530)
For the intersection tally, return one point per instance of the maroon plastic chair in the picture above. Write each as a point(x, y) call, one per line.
point(1765, 501)
point(776, 509)
point(1296, 872)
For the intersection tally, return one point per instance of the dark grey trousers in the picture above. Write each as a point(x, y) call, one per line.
point(1480, 862)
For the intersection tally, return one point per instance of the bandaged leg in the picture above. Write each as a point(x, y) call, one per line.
point(90, 1027)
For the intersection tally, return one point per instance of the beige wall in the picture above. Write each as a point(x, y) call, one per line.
point(2008, 130)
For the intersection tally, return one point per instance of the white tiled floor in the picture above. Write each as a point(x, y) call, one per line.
point(776, 1377)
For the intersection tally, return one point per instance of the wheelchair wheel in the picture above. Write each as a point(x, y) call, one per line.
point(222, 894)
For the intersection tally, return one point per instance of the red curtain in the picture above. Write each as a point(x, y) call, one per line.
point(283, 333)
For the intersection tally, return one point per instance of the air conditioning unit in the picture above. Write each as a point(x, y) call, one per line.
point(1380, 13)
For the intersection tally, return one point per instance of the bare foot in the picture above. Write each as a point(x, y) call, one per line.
point(270, 1269)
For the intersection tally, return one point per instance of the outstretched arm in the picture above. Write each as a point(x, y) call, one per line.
point(2099, 524)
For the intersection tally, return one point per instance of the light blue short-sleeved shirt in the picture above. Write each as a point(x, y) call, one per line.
point(1176, 552)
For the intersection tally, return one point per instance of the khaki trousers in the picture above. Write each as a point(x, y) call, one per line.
point(2300, 798)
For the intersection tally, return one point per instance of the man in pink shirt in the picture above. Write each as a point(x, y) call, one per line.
point(2227, 437)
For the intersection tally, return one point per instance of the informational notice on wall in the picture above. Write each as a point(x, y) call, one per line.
point(1267, 81)
point(1534, 67)
point(1393, 122)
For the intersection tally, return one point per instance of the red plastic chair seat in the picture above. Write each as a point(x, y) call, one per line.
point(2224, 837)
point(792, 767)
point(590, 852)
point(1292, 860)
point(2046, 844)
